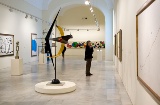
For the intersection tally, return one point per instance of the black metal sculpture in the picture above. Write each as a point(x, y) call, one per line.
point(63, 39)
point(48, 49)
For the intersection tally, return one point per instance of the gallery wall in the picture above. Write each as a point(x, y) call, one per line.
point(16, 24)
point(125, 19)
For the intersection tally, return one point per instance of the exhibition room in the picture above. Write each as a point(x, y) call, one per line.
point(79, 52)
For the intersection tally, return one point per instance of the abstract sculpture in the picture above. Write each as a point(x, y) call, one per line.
point(62, 39)
point(17, 50)
point(42, 50)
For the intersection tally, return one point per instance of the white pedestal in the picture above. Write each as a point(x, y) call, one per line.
point(48, 88)
point(99, 55)
point(16, 67)
point(42, 58)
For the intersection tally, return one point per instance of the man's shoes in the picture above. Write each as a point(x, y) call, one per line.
point(89, 74)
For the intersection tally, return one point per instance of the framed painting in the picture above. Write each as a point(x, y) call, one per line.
point(120, 45)
point(115, 44)
point(82, 44)
point(6, 45)
point(148, 44)
point(33, 45)
point(117, 52)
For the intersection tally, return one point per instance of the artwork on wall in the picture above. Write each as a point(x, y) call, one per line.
point(33, 45)
point(6, 45)
point(120, 45)
point(115, 45)
point(148, 44)
point(82, 44)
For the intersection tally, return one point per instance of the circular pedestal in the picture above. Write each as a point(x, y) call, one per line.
point(48, 88)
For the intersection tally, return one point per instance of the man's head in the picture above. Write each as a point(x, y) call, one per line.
point(89, 43)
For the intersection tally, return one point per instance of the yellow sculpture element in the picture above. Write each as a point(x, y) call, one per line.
point(62, 44)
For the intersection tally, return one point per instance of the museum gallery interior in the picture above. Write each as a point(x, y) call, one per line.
point(79, 52)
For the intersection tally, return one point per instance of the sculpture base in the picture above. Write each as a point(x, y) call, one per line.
point(55, 81)
point(49, 88)
point(16, 67)
point(42, 58)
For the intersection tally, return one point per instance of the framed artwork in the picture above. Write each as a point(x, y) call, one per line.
point(115, 45)
point(120, 45)
point(148, 44)
point(82, 44)
point(33, 45)
point(6, 45)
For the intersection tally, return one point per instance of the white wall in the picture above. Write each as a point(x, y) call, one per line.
point(125, 19)
point(15, 23)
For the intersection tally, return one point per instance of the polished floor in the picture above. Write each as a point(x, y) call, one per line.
point(103, 88)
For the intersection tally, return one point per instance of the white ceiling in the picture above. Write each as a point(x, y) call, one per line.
point(43, 4)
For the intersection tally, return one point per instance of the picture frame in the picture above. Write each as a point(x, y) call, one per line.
point(115, 45)
point(33, 44)
point(82, 44)
point(146, 47)
point(120, 45)
point(6, 45)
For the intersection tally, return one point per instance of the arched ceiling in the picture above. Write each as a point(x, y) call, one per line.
point(44, 4)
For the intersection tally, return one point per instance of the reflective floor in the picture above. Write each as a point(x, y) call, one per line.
point(103, 88)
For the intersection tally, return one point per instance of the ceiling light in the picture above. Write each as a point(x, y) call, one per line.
point(31, 17)
point(36, 20)
point(26, 16)
point(10, 9)
point(87, 2)
point(97, 24)
point(91, 8)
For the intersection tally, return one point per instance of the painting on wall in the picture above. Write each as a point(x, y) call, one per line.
point(33, 45)
point(115, 45)
point(82, 44)
point(6, 45)
point(148, 44)
point(120, 45)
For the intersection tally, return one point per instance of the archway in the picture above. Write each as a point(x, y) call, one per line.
point(102, 6)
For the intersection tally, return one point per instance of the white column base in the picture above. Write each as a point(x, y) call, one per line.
point(42, 58)
point(99, 55)
point(16, 67)
point(48, 88)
